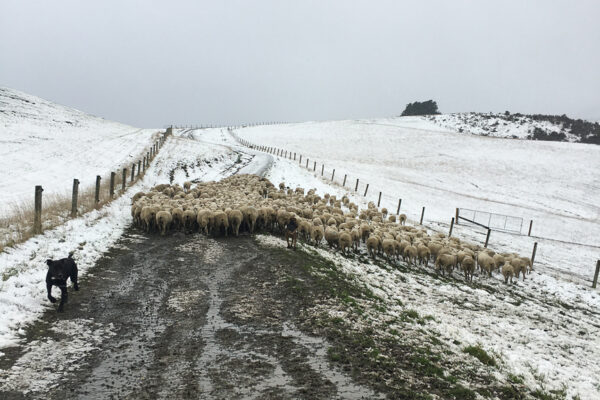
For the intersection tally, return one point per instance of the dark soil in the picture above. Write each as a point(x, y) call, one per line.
point(191, 317)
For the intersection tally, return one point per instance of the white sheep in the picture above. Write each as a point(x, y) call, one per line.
point(163, 220)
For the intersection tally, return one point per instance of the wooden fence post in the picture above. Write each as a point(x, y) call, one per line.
point(139, 165)
point(37, 217)
point(124, 179)
point(147, 159)
point(533, 254)
point(333, 174)
point(451, 226)
point(422, 215)
point(294, 156)
point(132, 172)
point(97, 195)
point(307, 163)
point(399, 204)
point(596, 274)
point(356, 187)
point(300, 162)
point(456, 217)
point(379, 200)
point(530, 224)
point(366, 190)
point(74, 198)
point(344, 184)
point(322, 169)
point(111, 189)
point(487, 238)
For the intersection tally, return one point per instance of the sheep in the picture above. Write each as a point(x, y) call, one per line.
point(304, 229)
point(434, 249)
point(355, 234)
point(163, 220)
point(389, 247)
point(283, 217)
point(365, 231)
point(468, 266)
point(410, 253)
point(204, 219)
point(137, 196)
point(316, 234)
point(186, 186)
point(518, 266)
point(402, 219)
point(235, 218)
point(528, 263)
point(344, 241)
point(423, 253)
point(177, 214)
point(148, 215)
point(189, 219)
point(446, 262)
point(250, 217)
point(221, 221)
point(263, 207)
point(486, 262)
point(331, 236)
point(372, 245)
point(508, 272)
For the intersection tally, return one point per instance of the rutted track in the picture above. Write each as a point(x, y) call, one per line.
point(177, 317)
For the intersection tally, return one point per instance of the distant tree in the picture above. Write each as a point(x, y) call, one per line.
point(421, 108)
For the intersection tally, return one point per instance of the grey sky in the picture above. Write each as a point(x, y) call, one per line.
point(151, 63)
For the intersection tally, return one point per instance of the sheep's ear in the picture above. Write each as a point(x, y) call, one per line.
point(49, 262)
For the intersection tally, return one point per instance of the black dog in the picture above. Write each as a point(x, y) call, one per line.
point(58, 273)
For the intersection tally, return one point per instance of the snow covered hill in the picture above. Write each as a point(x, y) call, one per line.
point(43, 143)
point(519, 126)
point(411, 158)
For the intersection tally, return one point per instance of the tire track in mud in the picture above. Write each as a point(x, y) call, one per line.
point(178, 317)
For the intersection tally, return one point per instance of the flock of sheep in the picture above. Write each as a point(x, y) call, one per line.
point(250, 203)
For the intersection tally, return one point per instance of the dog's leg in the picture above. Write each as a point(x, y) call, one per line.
point(63, 298)
point(49, 287)
point(74, 278)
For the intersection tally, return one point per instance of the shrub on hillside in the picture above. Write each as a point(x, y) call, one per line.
point(540, 134)
point(421, 108)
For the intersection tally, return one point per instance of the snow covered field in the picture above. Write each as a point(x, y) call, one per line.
point(544, 329)
point(556, 185)
point(43, 143)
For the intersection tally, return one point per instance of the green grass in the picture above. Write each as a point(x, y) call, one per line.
point(516, 379)
point(480, 354)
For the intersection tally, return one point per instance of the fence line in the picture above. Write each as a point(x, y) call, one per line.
point(362, 187)
point(150, 155)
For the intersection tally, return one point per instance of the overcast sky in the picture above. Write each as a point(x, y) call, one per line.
point(153, 63)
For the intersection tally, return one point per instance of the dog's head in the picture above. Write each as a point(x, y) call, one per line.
point(56, 270)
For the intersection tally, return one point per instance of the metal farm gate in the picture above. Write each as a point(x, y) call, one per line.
point(498, 222)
